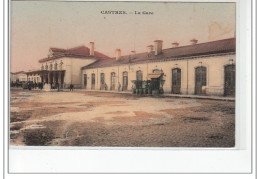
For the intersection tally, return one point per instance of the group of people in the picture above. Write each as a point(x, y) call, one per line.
point(30, 85)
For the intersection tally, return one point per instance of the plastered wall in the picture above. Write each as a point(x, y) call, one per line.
point(214, 64)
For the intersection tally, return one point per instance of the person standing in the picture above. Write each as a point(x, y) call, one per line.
point(58, 86)
point(29, 87)
point(71, 87)
point(119, 86)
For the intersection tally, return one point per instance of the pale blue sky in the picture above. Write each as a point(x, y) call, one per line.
point(37, 26)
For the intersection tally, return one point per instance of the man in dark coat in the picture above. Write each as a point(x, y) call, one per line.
point(71, 87)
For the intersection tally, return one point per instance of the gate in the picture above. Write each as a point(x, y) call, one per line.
point(230, 80)
point(200, 79)
point(176, 81)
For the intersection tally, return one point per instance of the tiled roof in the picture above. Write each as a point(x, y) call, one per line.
point(214, 47)
point(57, 50)
point(14, 73)
point(77, 52)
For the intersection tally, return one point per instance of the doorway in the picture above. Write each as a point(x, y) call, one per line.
point(93, 81)
point(230, 80)
point(200, 79)
point(113, 81)
point(85, 81)
point(176, 81)
point(102, 81)
point(125, 81)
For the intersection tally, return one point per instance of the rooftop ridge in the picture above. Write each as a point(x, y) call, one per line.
point(206, 48)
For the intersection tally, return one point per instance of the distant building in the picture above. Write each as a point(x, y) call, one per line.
point(63, 66)
point(18, 77)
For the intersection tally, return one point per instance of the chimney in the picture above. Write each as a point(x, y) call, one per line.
point(118, 54)
point(193, 41)
point(132, 55)
point(149, 48)
point(91, 51)
point(158, 47)
point(175, 44)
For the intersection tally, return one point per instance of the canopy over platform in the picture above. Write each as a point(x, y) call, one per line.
point(49, 76)
point(42, 72)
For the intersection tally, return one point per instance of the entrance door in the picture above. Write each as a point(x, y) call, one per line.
point(125, 81)
point(113, 81)
point(102, 81)
point(93, 81)
point(230, 80)
point(176, 81)
point(200, 79)
point(139, 79)
point(85, 81)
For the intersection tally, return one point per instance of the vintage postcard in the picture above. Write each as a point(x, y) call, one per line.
point(129, 87)
point(122, 74)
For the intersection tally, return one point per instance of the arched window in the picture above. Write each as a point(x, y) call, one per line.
point(85, 80)
point(156, 71)
point(113, 81)
point(200, 79)
point(139, 75)
point(176, 80)
point(46, 67)
point(230, 80)
point(102, 78)
point(102, 81)
point(42, 67)
point(50, 66)
point(93, 81)
point(139, 79)
point(125, 80)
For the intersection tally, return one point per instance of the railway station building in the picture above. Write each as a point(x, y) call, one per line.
point(199, 68)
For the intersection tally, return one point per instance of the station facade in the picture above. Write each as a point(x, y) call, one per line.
point(199, 68)
point(202, 69)
point(63, 66)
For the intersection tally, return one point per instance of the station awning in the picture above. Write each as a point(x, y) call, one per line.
point(154, 75)
point(42, 72)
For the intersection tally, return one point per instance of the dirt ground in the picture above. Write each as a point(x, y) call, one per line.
point(82, 118)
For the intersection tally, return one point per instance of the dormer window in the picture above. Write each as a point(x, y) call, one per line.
point(46, 67)
point(50, 66)
point(42, 68)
